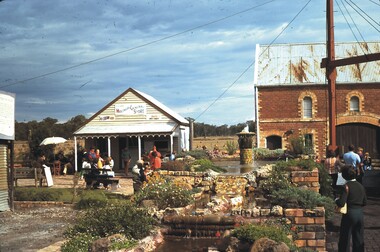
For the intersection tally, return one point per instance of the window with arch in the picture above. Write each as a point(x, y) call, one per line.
point(307, 107)
point(354, 103)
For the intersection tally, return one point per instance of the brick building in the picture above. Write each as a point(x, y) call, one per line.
point(292, 97)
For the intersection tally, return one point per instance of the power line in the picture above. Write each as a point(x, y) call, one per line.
point(353, 33)
point(363, 16)
point(250, 65)
point(364, 13)
point(374, 2)
point(136, 47)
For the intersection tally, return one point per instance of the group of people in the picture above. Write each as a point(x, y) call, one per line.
point(94, 160)
point(149, 163)
point(63, 162)
point(350, 193)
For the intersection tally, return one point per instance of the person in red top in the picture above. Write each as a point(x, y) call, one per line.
point(155, 159)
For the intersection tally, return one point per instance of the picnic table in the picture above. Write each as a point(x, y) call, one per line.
point(94, 178)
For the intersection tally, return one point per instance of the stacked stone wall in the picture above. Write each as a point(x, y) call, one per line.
point(308, 223)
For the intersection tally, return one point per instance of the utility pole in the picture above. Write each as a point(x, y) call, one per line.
point(331, 72)
point(191, 137)
point(330, 64)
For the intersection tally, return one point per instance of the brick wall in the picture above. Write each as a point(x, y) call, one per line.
point(311, 227)
point(309, 179)
point(280, 110)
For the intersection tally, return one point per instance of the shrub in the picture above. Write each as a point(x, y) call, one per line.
point(304, 164)
point(79, 243)
point(91, 198)
point(299, 146)
point(266, 154)
point(122, 218)
point(164, 193)
point(295, 197)
point(251, 232)
point(231, 147)
point(37, 194)
point(122, 243)
point(325, 182)
point(175, 165)
point(278, 179)
point(202, 165)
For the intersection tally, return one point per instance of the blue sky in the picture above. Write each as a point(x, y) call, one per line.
point(64, 58)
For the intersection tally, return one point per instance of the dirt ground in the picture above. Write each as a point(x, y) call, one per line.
point(41, 228)
point(33, 229)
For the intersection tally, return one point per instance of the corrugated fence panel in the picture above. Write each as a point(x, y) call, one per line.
point(4, 195)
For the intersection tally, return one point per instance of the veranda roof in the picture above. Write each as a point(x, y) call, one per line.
point(130, 130)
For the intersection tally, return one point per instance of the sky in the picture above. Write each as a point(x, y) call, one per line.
point(67, 58)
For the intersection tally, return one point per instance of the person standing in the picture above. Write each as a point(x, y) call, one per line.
point(367, 162)
point(155, 158)
point(332, 168)
point(352, 158)
point(359, 177)
point(155, 161)
point(352, 223)
point(126, 157)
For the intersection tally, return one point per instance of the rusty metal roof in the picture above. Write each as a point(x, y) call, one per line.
point(299, 64)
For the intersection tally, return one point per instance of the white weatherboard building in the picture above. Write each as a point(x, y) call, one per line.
point(7, 137)
point(137, 121)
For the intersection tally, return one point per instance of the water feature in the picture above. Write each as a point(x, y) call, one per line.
point(202, 229)
point(234, 167)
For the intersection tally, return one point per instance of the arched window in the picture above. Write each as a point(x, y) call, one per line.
point(307, 107)
point(354, 104)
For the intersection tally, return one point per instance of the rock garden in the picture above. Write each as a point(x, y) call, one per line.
point(195, 205)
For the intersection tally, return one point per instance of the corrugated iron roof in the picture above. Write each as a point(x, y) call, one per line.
point(292, 64)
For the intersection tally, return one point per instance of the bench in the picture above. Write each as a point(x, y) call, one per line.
point(28, 173)
point(94, 180)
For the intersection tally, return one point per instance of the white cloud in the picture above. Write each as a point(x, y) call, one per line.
point(185, 72)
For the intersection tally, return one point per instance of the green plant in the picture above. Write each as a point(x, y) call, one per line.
point(231, 147)
point(202, 165)
point(266, 154)
point(251, 232)
point(292, 197)
point(122, 243)
point(277, 179)
point(79, 243)
point(325, 181)
point(176, 165)
point(37, 194)
point(121, 218)
point(91, 198)
point(164, 193)
point(303, 164)
point(297, 145)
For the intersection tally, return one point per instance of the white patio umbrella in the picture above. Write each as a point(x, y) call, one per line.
point(53, 140)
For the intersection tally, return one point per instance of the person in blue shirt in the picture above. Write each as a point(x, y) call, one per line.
point(351, 158)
